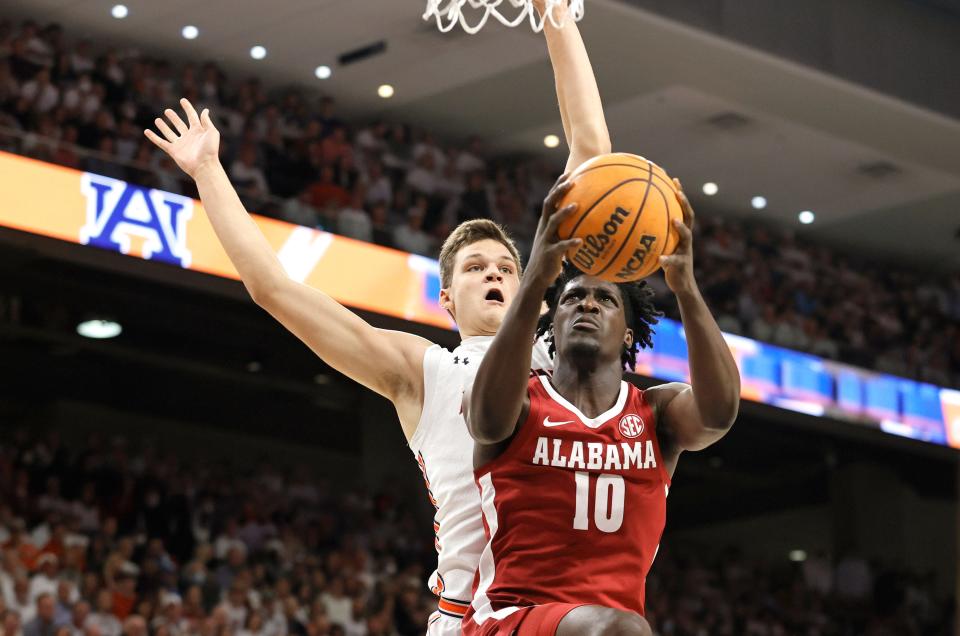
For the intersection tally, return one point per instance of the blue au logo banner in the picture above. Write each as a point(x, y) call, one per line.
point(117, 211)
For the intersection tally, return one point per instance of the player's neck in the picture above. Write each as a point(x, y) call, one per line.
point(592, 389)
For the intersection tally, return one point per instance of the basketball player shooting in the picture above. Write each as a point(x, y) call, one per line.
point(574, 469)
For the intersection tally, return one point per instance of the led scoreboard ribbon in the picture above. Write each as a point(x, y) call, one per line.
point(114, 215)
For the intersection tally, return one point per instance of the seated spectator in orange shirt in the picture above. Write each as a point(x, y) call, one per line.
point(125, 591)
point(19, 545)
point(327, 192)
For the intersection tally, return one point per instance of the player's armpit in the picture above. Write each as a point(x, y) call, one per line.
point(485, 450)
point(387, 362)
point(676, 409)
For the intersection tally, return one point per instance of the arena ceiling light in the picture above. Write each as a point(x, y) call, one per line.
point(190, 32)
point(99, 329)
point(797, 556)
point(758, 202)
point(258, 52)
point(385, 91)
point(119, 11)
point(323, 72)
point(551, 141)
point(710, 188)
point(806, 217)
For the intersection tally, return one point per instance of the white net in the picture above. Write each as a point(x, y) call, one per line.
point(473, 14)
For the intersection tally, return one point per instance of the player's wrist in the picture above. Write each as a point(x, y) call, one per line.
point(205, 168)
point(688, 291)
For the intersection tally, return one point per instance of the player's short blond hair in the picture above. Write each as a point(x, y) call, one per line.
point(468, 233)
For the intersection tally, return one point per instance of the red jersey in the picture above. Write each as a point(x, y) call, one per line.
point(574, 508)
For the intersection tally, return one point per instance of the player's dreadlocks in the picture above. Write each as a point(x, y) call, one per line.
point(638, 308)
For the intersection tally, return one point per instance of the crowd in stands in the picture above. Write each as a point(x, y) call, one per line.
point(103, 538)
point(292, 156)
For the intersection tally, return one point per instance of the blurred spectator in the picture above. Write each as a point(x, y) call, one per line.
point(353, 221)
point(327, 192)
point(410, 236)
point(299, 210)
point(41, 95)
point(43, 624)
point(245, 174)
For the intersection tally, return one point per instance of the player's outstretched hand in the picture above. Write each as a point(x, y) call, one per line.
point(678, 267)
point(193, 145)
point(546, 257)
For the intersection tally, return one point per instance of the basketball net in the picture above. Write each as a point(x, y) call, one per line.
point(450, 12)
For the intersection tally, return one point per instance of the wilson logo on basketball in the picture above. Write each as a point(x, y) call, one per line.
point(595, 244)
point(631, 426)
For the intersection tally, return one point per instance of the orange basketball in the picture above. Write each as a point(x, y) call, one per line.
point(626, 205)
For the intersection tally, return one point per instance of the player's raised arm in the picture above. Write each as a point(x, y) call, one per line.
point(581, 110)
point(388, 362)
point(697, 415)
point(494, 407)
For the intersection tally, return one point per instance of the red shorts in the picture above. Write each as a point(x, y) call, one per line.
point(535, 620)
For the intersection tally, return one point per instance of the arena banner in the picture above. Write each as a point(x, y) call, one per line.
point(114, 215)
point(109, 214)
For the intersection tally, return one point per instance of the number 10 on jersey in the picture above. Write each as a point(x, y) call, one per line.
point(607, 502)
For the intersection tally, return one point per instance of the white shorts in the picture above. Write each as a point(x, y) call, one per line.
point(442, 625)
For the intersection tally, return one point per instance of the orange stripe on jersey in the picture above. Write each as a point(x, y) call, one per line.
point(453, 607)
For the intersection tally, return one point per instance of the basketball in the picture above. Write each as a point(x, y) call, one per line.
point(626, 205)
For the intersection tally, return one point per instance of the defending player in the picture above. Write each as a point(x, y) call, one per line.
point(480, 273)
point(574, 470)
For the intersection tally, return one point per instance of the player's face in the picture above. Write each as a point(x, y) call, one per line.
point(590, 321)
point(485, 282)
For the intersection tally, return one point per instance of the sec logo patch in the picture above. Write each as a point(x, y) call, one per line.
point(631, 426)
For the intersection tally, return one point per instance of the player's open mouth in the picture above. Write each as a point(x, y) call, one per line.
point(495, 296)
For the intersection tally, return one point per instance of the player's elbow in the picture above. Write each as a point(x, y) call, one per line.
point(722, 420)
point(265, 293)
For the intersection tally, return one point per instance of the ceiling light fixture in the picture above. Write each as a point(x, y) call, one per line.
point(758, 202)
point(323, 72)
point(551, 141)
point(710, 188)
point(190, 32)
point(258, 52)
point(119, 11)
point(99, 329)
point(385, 91)
point(807, 217)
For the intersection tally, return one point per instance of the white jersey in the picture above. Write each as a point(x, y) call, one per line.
point(444, 450)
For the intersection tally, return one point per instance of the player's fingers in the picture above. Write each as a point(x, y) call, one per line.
point(558, 217)
point(163, 144)
point(190, 111)
point(176, 121)
point(556, 194)
point(205, 120)
point(686, 236)
point(688, 214)
point(668, 261)
point(165, 130)
point(569, 244)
